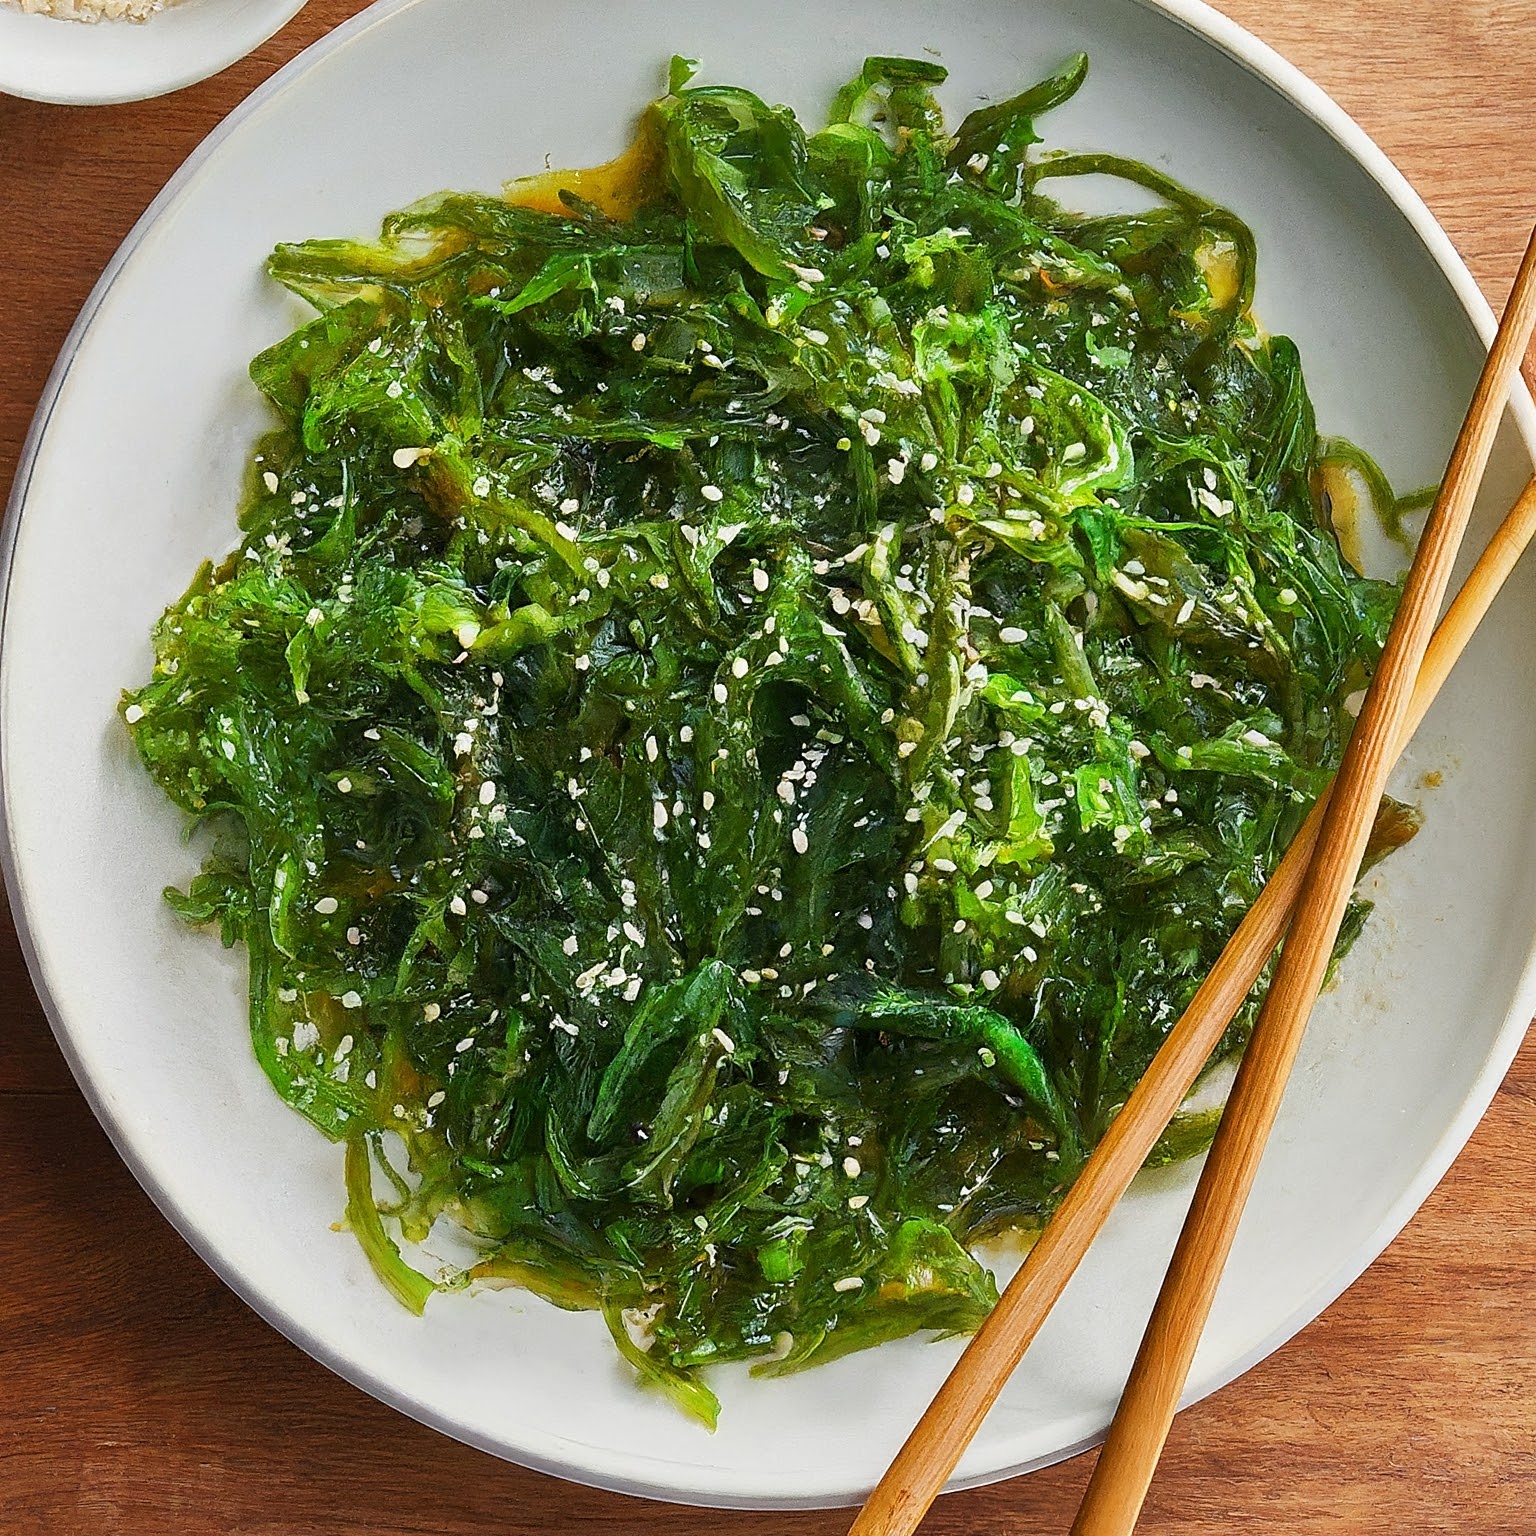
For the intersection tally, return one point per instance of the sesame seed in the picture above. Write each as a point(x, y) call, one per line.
point(326, 905)
point(457, 907)
point(133, 714)
point(739, 667)
point(568, 944)
point(1012, 635)
point(404, 458)
point(659, 815)
point(488, 792)
point(351, 1000)
point(800, 840)
point(638, 341)
point(857, 1202)
point(431, 1012)
point(848, 1283)
point(851, 1167)
point(354, 936)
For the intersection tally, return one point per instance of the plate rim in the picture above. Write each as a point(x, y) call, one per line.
point(1269, 68)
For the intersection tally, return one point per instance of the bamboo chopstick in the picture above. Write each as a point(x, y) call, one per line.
point(1125, 1468)
point(940, 1437)
point(935, 1446)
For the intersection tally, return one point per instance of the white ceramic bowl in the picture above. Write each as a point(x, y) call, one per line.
point(130, 479)
point(93, 63)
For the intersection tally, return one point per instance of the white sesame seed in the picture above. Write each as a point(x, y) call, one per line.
point(800, 840)
point(638, 341)
point(457, 907)
point(354, 936)
point(568, 944)
point(857, 1202)
point(659, 815)
point(1012, 635)
point(488, 792)
point(133, 714)
point(436, 1099)
point(326, 905)
point(851, 1167)
point(739, 667)
point(404, 458)
point(351, 1000)
point(431, 1012)
point(848, 1283)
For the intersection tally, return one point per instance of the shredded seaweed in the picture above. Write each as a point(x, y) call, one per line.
point(752, 691)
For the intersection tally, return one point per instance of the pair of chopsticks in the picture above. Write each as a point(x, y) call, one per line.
point(1307, 894)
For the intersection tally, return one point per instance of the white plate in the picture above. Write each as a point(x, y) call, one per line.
point(130, 479)
point(93, 63)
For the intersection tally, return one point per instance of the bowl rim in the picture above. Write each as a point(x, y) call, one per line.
point(621, 1472)
point(249, 24)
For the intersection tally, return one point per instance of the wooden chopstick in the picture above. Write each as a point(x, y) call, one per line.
point(935, 1446)
point(1125, 1467)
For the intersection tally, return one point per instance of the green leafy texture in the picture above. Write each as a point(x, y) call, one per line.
point(735, 731)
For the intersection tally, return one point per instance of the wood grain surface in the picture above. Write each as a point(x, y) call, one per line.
point(139, 1396)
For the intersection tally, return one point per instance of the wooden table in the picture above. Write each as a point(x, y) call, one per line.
point(140, 1396)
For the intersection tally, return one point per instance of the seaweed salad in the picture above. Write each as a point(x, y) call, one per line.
point(756, 682)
